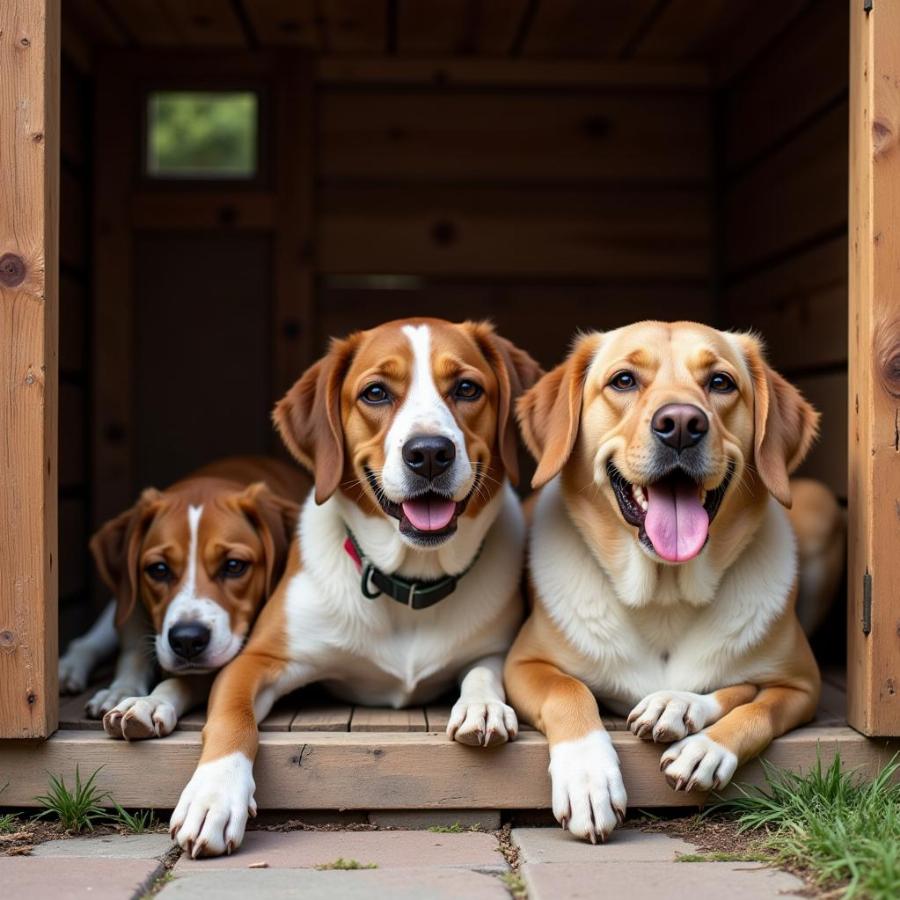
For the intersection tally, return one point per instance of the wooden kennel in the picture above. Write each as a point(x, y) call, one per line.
point(552, 164)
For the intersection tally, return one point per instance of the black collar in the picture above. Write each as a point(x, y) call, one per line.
point(412, 593)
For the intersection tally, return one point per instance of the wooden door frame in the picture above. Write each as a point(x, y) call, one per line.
point(280, 203)
point(29, 241)
point(873, 656)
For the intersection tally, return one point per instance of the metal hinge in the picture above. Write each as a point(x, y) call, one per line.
point(867, 6)
point(867, 604)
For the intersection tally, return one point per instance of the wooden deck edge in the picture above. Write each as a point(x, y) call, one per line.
point(366, 771)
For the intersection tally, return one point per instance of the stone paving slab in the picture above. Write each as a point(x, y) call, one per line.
point(653, 880)
point(108, 846)
point(387, 849)
point(553, 845)
point(73, 878)
point(397, 884)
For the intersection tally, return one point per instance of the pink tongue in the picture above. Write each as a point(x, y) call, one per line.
point(676, 523)
point(429, 514)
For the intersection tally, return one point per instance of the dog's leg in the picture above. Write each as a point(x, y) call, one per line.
point(588, 792)
point(481, 716)
point(157, 714)
point(135, 667)
point(666, 716)
point(85, 653)
point(708, 760)
point(212, 812)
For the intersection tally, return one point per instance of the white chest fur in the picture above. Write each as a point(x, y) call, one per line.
point(379, 651)
point(624, 652)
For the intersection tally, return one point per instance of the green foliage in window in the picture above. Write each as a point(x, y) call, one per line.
point(203, 134)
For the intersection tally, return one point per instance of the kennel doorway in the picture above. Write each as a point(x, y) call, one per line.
point(551, 165)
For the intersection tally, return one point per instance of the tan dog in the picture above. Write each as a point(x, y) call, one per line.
point(189, 568)
point(404, 578)
point(662, 565)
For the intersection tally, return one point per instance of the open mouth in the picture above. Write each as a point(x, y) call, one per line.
point(672, 515)
point(429, 517)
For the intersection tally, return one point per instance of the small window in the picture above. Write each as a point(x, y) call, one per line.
point(202, 134)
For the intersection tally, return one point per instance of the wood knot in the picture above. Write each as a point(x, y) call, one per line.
point(444, 233)
point(887, 356)
point(881, 136)
point(7, 641)
point(12, 270)
point(25, 42)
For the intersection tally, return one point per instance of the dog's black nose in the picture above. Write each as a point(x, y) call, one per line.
point(429, 455)
point(680, 425)
point(189, 639)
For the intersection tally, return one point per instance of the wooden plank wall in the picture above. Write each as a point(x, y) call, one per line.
point(74, 355)
point(548, 208)
point(782, 254)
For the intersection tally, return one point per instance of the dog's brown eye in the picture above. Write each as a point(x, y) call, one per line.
point(234, 568)
point(468, 390)
point(623, 381)
point(721, 383)
point(375, 394)
point(159, 571)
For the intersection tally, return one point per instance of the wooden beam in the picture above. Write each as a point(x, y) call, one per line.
point(873, 677)
point(511, 73)
point(411, 770)
point(29, 264)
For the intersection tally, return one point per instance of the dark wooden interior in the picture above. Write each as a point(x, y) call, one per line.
point(551, 164)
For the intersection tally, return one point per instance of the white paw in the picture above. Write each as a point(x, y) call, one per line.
point(666, 716)
point(482, 723)
point(588, 793)
point(212, 811)
point(698, 763)
point(74, 673)
point(136, 718)
point(106, 698)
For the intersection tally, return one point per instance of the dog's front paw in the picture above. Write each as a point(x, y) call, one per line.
point(106, 698)
point(136, 718)
point(74, 673)
point(588, 793)
point(698, 763)
point(482, 723)
point(212, 811)
point(666, 716)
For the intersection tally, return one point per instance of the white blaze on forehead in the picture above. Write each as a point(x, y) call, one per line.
point(187, 606)
point(424, 412)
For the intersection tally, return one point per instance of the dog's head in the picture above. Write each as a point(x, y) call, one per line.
point(671, 423)
point(202, 557)
point(413, 420)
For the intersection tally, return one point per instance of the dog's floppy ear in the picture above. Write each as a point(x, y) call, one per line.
point(516, 372)
point(308, 417)
point(116, 550)
point(275, 519)
point(550, 413)
point(784, 423)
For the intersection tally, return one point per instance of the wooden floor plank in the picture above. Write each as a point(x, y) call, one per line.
point(71, 712)
point(322, 717)
point(388, 720)
point(390, 771)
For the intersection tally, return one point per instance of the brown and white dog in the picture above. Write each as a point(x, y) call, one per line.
point(189, 568)
point(662, 566)
point(410, 431)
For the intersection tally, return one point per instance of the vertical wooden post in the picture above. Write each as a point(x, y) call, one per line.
point(29, 214)
point(873, 678)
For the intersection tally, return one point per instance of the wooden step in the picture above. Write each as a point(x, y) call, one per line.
point(365, 770)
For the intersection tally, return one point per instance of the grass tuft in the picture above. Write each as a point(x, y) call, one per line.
point(139, 822)
point(835, 825)
point(77, 809)
point(723, 856)
point(9, 822)
point(346, 865)
point(455, 828)
point(514, 883)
